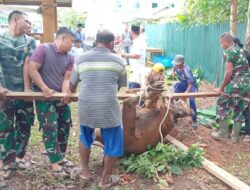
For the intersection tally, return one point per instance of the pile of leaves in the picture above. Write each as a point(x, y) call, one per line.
point(197, 75)
point(163, 158)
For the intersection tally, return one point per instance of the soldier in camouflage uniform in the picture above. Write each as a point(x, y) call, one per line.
point(16, 116)
point(50, 69)
point(247, 110)
point(234, 91)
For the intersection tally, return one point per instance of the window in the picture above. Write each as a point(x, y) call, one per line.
point(154, 5)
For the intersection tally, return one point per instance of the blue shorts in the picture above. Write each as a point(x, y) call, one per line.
point(112, 139)
point(132, 85)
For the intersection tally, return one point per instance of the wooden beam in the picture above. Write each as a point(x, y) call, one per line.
point(48, 12)
point(191, 94)
point(38, 95)
point(56, 96)
point(215, 170)
point(20, 8)
point(60, 3)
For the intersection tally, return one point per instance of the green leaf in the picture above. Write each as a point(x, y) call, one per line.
point(176, 170)
point(161, 168)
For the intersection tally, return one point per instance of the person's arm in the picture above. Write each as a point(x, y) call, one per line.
point(26, 77)
point(131, 55)
point(3, 92)
point(66, 81)
point(227, 77)
point(27, 80)
point(75, 78)
point(66, 86)
point(189, 87)
point(189, 77)
point(137, 53)
point(173, 72)
point(37, 79)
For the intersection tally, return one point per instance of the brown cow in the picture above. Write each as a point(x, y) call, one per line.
point(141, 125)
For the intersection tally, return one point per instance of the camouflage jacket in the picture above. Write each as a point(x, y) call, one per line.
point(240, 80)
point(13, 52)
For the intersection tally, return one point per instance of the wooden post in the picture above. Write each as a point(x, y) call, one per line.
point(55, 18)
point(48, 20)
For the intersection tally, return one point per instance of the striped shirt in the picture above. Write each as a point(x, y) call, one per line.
point(101, 73)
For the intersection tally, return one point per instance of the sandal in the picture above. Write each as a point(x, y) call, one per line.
point(2, 183)
point(246, 139)
point(60, 173)
point(22, 164)
point(85, 179)
point(114, 179)
point(5, 171)
point(66, 163)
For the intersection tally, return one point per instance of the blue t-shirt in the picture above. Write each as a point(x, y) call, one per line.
point(79, 36)
point(185, 75)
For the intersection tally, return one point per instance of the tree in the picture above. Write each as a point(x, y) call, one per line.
point(211, 11)
point(248, 29)
point(233, 17)
point(68, 17)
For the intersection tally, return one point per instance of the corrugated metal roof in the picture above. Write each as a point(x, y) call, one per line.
point(60, 3)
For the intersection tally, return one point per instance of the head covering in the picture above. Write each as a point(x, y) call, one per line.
point(237, 41)
point(158, 68)
point(179, 59)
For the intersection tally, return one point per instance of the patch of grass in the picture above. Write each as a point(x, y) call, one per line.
point(35, 136)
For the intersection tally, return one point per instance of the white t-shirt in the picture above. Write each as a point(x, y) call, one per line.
point(138, 48)
point(140, 76)
point(144, 38)
point(77, 51)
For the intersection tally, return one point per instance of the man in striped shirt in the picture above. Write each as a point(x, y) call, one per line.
point(102, 74)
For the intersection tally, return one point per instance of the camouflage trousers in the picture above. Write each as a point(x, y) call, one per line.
point(55, 120)
point(16, 119)
point(234, 100)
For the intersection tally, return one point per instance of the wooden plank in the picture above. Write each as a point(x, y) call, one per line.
point(20, 8)
point(191, 94)
point(38, 95)
point(60, 3)
point(56, 96)
point(215, 170)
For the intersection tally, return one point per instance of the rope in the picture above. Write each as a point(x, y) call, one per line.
point(160, 126)
point(141, 92)
point(193, 131)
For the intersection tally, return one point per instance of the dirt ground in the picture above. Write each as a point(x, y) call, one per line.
point(234, 158)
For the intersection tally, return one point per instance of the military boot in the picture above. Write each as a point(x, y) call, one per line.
point(236, 132)
point(222, 133)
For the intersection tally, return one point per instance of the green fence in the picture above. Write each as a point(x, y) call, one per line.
point(199, 45)
point(3, 19)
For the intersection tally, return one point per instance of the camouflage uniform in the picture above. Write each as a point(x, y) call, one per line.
point(237, 93)
point(16, 117)
point(55, 120)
